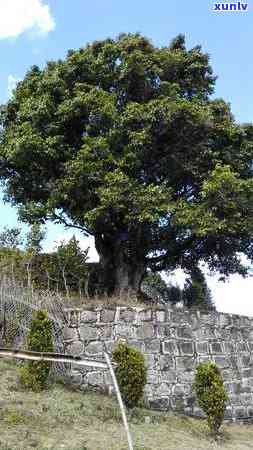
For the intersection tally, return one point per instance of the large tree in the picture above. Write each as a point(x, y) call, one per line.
point(124, 141)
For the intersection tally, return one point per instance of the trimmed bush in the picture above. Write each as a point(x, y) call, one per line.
point(211, 394)
point(131, 373)
point(34, 374)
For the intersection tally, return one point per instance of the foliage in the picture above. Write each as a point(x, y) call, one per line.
point(123, 141)
point(34, 239)
point(71, 264)
point(196, 292)
point(10, 238)
point(131, 373)
point(158, 290)
point(34, 375)
point(211, 394)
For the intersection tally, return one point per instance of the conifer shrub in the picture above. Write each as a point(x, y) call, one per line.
point(131, 373)
point(34, 374)
point(211, 394)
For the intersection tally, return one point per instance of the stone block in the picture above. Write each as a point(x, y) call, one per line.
point(203, 358)
point(152, 346)
point(73, 317)
point(170, 347)
point(197, 412)
point(75, 349)
point(185, 332)
point(239, 412)
point(222, 361)
point(160, 315)
point(160, 404)
point(150, 361)
point(232, 387)
point(163, 390)
point(69, 334)
point(234, 363)
point(95, 378)
point(246, 399)
point(250, 411)
point(186, 348)
point(186, 377)
point(250, 344)
point(245, 360)
point(125, 331)
point(127, 314)
point(224, 319)
point(216, 348)
point(76, 378)
point(204, 333)
point(144, 315)
point(94, 348)
point(88, 332)
point(168, 376)
point(107, 315)
point(246, 385)
point(145, 331)
point(148, 391)
point(227, 374)
point(167, 362)
point(181, 389)
point(190, 400)
point(229, 347)
point(89, 316)
point(228, 414)
point(235, 400)
point(165, 331)
point(152, 377)
point(105, 331)
point(202, 348)
point(177, 403)
point(242, 347)
point(236, 334)
point(185, 363)
point(247, 373)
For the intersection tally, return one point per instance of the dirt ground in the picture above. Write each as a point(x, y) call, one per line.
point(63, 418)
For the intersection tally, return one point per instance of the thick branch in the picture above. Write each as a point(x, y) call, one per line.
point(85, 230)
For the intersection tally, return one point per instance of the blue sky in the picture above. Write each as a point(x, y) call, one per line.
point(35, 31)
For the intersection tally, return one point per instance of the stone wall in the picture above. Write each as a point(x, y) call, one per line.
point(173, 342)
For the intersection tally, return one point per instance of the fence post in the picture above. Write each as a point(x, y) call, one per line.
point(121, 405)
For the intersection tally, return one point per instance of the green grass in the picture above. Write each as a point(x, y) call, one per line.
point(64, 418)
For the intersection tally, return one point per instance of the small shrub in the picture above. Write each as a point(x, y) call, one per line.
point(131, 373)
point(34, 375)
point(211, 394)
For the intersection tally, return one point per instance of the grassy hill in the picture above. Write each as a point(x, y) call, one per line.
point(65, 418)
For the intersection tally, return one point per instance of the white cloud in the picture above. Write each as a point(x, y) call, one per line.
point(12, 82)
point(19, 16)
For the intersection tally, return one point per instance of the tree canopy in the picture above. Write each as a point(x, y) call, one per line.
point(125, 141)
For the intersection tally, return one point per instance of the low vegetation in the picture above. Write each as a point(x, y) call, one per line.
point(131, 373)
point(65, 418)
point(34, 374)
point(211, 394)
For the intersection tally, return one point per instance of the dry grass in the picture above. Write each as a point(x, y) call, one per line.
point(62, 418)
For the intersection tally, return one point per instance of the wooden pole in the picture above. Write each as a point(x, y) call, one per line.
point(121, 404)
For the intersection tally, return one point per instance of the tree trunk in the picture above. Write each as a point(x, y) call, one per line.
point(122, 268)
